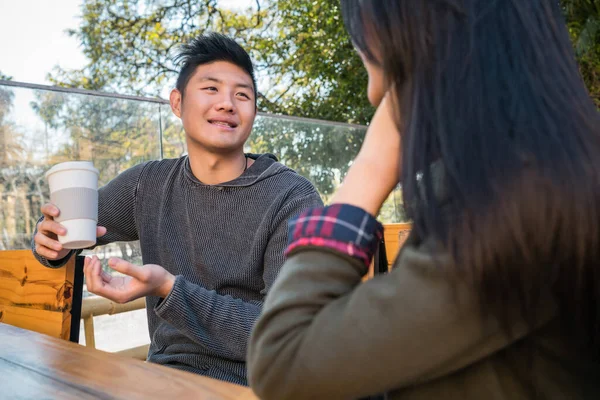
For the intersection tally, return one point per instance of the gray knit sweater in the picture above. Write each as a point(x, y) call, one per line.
point(223, 242)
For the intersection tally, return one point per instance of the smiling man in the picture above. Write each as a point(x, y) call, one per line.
point(212, 225)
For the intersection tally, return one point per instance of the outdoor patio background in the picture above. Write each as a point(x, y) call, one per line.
point(41, 126)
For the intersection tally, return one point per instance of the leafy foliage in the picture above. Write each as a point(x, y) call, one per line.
point(301, 50)
point(304, 59)
point(583, 21)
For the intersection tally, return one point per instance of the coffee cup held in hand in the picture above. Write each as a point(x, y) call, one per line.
point(74, 190)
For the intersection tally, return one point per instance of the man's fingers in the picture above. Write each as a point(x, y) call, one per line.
point(126, 268)
point(97, 272)
point(88, 268)
point(44, 241)
point(100, 231)
point(51, 226)
point(46, 252)
point(99, 282)
point(87, 262)
point(48, 247)
point(92, 268)
point(106, 278)
point(50, 211)
point(103, 287)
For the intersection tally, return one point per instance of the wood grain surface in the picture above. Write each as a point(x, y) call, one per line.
point(35, 297)
point(36, 366)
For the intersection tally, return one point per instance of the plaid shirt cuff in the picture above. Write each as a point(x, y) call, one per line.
point(341, 227)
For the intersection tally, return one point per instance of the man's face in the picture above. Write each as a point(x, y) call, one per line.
point(218, 107)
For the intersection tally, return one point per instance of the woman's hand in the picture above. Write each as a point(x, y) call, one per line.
point(376, 170)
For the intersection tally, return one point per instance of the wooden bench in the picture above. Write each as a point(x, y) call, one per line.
point(38, 298)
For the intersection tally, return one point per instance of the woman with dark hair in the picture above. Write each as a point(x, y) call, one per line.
point(485, 120)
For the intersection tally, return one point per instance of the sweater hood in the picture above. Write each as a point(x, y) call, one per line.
point(264, 166)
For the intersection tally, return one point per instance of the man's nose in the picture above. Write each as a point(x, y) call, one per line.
point(225, 104)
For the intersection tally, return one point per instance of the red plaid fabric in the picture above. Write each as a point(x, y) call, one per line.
point(344, 228)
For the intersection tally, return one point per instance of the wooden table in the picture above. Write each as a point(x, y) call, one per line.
point(36, 366)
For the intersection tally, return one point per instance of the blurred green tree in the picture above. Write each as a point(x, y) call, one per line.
point(300, 47)
point(583, 21)
point(301, 51)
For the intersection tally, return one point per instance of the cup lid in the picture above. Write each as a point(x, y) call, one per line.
point(72, 165)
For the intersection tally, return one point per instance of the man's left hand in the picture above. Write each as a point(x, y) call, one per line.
point(149, 280)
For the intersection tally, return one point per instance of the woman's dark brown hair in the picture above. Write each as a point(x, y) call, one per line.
point(490, 90)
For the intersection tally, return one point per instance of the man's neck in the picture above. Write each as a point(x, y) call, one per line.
point(212, 169)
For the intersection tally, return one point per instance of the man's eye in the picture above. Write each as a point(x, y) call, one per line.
point(210, 88)
point(245, 95)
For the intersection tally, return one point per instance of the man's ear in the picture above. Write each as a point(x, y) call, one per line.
point(175, 99)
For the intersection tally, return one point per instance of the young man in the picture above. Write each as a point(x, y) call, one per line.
point(211, 225)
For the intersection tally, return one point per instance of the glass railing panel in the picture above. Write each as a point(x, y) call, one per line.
point(39, 128)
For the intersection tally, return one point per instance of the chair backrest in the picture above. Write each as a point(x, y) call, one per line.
point(394, 236)
point(38, 298)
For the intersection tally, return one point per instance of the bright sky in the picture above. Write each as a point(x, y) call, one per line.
point(33, 38)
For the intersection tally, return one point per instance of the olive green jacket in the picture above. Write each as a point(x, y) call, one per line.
point(324, 334)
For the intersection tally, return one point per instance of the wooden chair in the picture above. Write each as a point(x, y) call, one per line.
point(38, 298)
point(394, 236)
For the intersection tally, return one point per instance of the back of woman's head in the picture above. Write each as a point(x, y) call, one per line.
point(491, 91)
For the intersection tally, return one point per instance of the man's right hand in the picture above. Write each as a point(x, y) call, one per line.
point(46, 238)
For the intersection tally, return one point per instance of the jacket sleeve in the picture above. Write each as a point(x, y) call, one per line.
point(326, 334)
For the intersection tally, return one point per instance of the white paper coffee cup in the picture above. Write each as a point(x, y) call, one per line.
point(74, 190)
